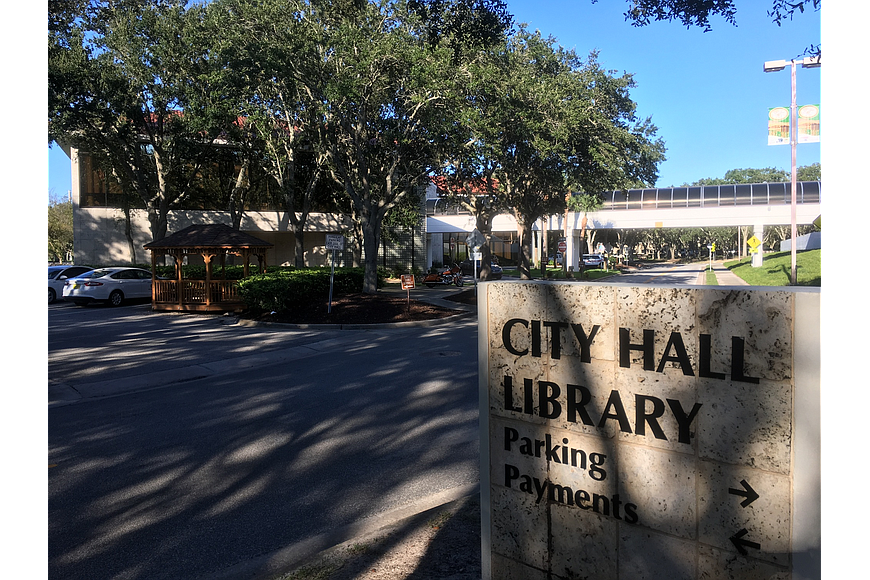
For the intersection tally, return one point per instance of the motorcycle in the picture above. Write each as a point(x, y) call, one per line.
point(445, 277)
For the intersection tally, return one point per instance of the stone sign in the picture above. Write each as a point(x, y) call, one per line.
point(649, 432)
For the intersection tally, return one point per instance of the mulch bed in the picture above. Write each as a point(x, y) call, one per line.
point(364, 309)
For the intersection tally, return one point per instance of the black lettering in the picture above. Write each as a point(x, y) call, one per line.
point(548, 406)
point(561, 494)
point(619, 412)
point(596, 460)
point(510, 435)
point(540, 488)
point(681, 358)
point(704, 358)
point(630, 513)
point(528, 397)
point(526, 484)
point(737, 362)
point(585, 341)
point(616, 503)
point(536, 338)
point(506, 336)
point(642, 418)
point(552, 450)
point(555, 493)
point(575, 406)
point(684, 421)
point(601, 504)
point(647, 348)
point(526, 447)
point(510, 473)
point(555, 338)
point(509, 395)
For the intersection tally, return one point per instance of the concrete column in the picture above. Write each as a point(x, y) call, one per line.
point(758, 258)
point(572, 255)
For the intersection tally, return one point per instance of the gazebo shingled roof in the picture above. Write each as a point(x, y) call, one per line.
point(208, 236)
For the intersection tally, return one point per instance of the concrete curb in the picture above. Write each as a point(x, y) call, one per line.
point(463, 310)
point(381, 325)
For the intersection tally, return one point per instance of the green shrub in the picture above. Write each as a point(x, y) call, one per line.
point(285, 290)
point(229, 272)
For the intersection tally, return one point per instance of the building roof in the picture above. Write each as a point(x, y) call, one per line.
point(475, 186)
point(208, 236)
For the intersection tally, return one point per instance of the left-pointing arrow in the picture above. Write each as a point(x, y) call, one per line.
point(746, 492)
point(741, 544)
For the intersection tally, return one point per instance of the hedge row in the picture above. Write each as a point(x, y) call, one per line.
point(286, 290)
point(197, 271)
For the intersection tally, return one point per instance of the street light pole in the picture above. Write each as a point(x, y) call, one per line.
point(773, 66)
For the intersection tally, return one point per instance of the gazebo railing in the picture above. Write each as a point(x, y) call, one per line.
point(194, 291)
point(165, 290)
point(224, 291)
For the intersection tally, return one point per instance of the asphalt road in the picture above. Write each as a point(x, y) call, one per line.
point(186, 447)
point(660, 273)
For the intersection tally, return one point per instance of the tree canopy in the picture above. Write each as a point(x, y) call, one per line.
point(697, 13)
point(537, 122)
point(363, 102)
point(118, 86)
point(764, 175)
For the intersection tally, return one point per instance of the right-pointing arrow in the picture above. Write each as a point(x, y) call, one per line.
point(741, 544)
point(746, 492)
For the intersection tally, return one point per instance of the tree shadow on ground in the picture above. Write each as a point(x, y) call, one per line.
point(438, 544)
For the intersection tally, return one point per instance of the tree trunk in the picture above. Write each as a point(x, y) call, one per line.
point(357, 254)
point(158, 219)
point(299, 245)
point(239, 192)
point(128, 233)
point(371, 230)
point(484, 226)
point(524, 258)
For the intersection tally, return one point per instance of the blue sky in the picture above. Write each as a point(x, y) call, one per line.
point(706, 92)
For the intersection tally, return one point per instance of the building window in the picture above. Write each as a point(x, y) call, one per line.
point(96, 189)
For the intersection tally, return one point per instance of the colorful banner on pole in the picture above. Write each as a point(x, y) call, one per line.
point(779, 124)
point(808, 124)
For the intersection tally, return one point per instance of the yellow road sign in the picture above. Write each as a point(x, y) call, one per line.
point(753, 242)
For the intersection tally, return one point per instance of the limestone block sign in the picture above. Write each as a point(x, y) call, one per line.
point(649, 432)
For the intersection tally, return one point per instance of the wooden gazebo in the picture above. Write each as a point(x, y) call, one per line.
point(209, 241)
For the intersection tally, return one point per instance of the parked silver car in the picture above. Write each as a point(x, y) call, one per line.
point(112, 285)
point(57, 277)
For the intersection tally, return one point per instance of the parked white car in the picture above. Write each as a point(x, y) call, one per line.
point(112, 285)
point(593, 261)
point(57, 277)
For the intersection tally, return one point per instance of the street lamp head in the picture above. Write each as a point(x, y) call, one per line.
point(806, 62)
point(812, 62)
point(775, 65)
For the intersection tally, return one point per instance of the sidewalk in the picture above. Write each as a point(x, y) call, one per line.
point(724, 276)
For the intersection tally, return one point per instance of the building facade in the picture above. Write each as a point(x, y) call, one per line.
point(103, 237)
